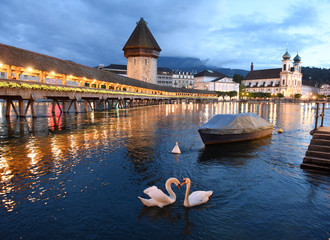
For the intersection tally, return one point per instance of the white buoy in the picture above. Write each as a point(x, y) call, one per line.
point(176, 149)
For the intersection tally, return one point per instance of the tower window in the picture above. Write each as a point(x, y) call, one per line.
point(283, 82)
point(145, 61)
point(284, 67)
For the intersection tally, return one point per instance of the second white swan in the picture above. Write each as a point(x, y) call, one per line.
point(158, 197)
point(195, 198)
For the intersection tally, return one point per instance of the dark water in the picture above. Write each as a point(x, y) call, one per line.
point(78, 176)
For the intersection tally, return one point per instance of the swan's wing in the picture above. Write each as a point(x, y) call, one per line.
point(149, 189)
point(158, 195)
point(199, 197)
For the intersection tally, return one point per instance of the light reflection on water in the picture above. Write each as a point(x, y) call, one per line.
point(86, 170)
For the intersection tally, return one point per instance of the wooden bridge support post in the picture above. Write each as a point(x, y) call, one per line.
point(55, 102)
point(8, 106)
point(20, 107)
point(64, 106)
point(86, 105)
point(31, 105)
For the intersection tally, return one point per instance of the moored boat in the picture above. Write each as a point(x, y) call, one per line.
point(227, 128)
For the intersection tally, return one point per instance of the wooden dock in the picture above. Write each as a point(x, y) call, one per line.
point(318, 153)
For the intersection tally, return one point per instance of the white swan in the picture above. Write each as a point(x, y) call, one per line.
point(195, 198)
point(157, 197)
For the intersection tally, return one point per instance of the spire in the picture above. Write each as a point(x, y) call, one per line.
point(251, 67)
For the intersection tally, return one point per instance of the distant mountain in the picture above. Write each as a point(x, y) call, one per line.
point(195, 65)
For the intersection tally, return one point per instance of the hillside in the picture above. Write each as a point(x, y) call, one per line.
point(311, 75)
point(195, 65)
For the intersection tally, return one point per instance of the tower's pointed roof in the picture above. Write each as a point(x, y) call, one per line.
point(142, 38)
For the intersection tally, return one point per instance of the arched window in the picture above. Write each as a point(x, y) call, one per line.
point(284, 67)
point(283, 82)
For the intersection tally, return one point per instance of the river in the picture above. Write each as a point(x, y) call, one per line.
point(78, 176)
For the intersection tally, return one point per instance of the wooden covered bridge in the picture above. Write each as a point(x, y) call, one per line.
point(27, 76)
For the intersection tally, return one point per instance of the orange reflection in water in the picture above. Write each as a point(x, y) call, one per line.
point(29, 164)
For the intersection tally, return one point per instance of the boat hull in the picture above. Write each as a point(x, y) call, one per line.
point(208, 138)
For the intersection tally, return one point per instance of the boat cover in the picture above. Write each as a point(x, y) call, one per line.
point(235, 124)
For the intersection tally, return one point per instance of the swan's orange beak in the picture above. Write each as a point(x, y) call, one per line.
point(179, 186)
point(183, 182)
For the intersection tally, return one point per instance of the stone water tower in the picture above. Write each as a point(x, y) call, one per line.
point(142, 51)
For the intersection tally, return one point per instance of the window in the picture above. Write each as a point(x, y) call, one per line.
point(284, 67)
point(145, 61)
point(283, 82)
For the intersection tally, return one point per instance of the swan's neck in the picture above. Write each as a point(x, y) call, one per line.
point(186, 200)
point(169, 189)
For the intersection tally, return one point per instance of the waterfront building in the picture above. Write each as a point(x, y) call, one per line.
point(215, 81)
point(309, 91)
point(325, 90)
point(142, 51)
point(286, 80)
point(183, 79)
point(164, 77)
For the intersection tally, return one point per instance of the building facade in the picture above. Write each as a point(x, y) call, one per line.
point(215, 81)
point(142, 51)
point(183, 79)
point(164, 77)
point(325, 90)
point(309, 92)
point(286, 80)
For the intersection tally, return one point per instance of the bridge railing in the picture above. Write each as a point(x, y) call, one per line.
point(319, 106)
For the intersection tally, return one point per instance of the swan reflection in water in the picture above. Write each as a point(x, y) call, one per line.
point(156, 213)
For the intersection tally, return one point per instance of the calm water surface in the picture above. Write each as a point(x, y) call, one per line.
point(78, 176)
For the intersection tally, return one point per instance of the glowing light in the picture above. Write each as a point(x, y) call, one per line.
point(52, 73)
point(1, 64)
point(30, 69)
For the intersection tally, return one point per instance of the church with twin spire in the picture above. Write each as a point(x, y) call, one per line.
point(286, 80)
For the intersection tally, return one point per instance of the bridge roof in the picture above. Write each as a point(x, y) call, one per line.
point(23, 58)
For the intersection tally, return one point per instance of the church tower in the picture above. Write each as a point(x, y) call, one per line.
point(297, 63)
point(285, 75)
point(142, 51)
point(286, 62)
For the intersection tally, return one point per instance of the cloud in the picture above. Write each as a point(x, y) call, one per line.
point(229, 34)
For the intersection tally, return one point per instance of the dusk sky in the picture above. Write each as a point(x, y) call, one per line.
point(229, 34)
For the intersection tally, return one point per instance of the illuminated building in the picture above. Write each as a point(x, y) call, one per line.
point(215, 81)
point(286, 80)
